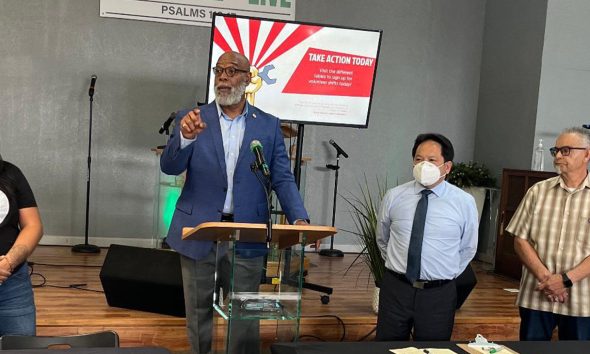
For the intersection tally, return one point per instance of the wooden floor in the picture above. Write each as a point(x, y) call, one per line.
point(63, 310)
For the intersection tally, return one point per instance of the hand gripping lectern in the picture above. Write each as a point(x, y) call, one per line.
point(255, 282)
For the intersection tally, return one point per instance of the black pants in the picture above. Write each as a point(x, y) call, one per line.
point(430, 312)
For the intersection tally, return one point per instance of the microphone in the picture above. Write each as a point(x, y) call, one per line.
point(92, 83)
point(256, 148)
point(167, 123)
point(338, 148)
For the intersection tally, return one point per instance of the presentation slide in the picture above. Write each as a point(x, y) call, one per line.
point(303, 73)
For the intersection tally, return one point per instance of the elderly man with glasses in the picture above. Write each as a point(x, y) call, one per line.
point(212, 143)
point(552, 239)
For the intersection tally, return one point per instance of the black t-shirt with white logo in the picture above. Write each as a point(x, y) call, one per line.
point(15, 194)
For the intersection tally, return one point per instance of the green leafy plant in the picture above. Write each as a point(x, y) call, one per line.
point(471, 174)
point(364, 209)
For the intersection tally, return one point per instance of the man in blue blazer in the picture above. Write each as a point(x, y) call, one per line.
point(212, 143)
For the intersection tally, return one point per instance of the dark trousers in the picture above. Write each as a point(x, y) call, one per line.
point(539, 325)
point(430, 312)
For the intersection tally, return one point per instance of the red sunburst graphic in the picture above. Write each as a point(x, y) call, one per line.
point(251, 35)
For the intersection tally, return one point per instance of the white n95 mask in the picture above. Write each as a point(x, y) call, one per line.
point(427, 173)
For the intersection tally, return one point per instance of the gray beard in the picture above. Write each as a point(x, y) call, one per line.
point(234, 97)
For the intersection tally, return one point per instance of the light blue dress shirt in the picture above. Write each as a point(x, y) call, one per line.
point(232, 134)
point(450, 231)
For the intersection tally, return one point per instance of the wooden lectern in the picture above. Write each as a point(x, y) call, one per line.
point(277, 297)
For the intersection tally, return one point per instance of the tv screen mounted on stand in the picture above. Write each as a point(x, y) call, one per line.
point(302, 72)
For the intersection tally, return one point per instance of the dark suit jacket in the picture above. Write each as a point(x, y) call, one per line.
point(205, 187)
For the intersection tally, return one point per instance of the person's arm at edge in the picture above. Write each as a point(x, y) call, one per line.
point(468, 245)
point(28, 238)
point(520, 230)
point(383, 224)
point(530, 259)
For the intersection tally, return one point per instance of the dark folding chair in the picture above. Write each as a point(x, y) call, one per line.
point(102, 339)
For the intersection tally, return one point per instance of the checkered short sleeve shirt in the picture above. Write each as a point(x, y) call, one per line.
point(556, 222)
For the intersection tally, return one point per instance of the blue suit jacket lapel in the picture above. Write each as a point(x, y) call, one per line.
point(249, 135)
point(213, 124)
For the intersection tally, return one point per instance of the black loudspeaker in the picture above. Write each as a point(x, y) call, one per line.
point(465, 282)
point(143, 279)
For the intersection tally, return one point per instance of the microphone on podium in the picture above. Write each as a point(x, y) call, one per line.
point(256, 148)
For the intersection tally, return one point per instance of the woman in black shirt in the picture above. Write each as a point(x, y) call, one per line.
point(20, 232)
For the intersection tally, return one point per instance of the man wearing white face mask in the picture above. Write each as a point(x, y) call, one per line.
point(427, 233)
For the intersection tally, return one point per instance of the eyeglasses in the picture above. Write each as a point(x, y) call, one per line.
point(565, 150)
point(229, 71)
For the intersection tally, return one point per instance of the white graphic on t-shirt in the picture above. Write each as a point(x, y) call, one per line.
point(4, 206)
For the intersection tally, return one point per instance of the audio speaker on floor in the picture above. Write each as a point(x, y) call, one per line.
point(465, 282)
point(143, 279)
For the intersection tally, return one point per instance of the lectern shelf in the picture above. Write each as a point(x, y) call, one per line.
point(284, 235)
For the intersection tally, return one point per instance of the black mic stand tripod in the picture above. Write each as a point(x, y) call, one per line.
point(165, 129)
point(325, 299)
point(333, 252)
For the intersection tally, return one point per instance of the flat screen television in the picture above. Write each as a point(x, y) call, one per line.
point(303, 73)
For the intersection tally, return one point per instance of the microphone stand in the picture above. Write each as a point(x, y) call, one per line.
point(267, 185)
point(86, 247)
point(333, 252)
point(165, 128)
point(268, 190)
point(325, 299)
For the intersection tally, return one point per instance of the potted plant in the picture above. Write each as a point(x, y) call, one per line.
point(364, 210)
point(471, 174)
point(473, 178)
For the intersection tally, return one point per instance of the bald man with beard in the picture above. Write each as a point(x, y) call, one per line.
point(211, 143)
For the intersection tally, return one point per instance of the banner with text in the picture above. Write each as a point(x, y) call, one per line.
point(302, 72)
point(195, 12)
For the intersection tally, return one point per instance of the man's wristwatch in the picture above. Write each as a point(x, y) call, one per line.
point(567, 282)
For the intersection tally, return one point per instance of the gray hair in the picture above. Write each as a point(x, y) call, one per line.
point(581, 132)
